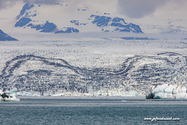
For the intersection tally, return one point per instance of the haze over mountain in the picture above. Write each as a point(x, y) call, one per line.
point(118, 17)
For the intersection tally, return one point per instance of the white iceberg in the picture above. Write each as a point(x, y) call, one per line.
point(167, 91)
point(9, 95)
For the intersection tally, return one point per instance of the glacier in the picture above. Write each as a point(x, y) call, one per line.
point(91, 68)
point(83, 51)
point(167, 91)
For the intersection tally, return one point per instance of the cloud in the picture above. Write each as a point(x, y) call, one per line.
point(141, 8)
point(2, 2)
point(6, 3)
point(41, 1)
point(9, 3)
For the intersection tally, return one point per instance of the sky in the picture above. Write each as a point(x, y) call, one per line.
point(131, 8)
point(148, 14)
point(142, 8)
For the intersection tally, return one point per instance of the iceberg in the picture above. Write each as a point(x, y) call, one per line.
point(167, 91)
point(9, 95)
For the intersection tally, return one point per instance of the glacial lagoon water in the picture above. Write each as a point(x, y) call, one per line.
point(92, 111)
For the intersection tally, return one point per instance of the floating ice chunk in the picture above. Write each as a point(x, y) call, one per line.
point(160, 95)
point(9, 95)
point(158, 89)
point(181, 96)
point(1, 92)
point(167, 91)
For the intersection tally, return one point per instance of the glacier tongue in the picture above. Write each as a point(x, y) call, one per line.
point(93, 68)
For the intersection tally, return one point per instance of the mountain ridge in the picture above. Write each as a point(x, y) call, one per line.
point(6, 37)
point(105, 23)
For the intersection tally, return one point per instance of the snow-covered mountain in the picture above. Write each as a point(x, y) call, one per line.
point(30, 14)
point(5, 37)
point(37, 21)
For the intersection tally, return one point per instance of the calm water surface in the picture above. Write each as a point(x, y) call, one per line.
point(91, 111)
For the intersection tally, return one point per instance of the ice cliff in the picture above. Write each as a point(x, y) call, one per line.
point(167, 91)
